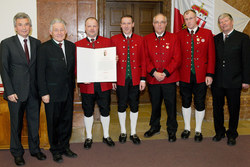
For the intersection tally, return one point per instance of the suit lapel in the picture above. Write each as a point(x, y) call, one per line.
point(32, 50)
point(20, 49)
point(67, 53)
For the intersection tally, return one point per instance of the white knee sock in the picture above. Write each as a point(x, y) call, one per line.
point(199, 116)
point(186, 112)
point(105, 125)
point(122, 120)
point(88, 121)
point(133, 122)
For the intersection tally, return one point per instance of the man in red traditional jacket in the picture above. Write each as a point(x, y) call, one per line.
point(196, 71)
point(95, 92)
point(163, 58)
point(131, 76)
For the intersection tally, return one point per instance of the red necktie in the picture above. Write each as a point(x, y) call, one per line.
point(26, 50)
point(60, 45)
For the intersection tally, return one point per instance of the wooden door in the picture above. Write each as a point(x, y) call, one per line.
point(143, 13)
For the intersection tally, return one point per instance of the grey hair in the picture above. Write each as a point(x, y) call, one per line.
point(159, 15)
point(223, 15)
point(21, 15)
point(57, 20)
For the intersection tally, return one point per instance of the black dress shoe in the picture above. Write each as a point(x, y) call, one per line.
point(171, 137)
point(185, 134)
point(135, 139)
point(217, 138)
point(122, 138)
point(108, 141)
point(39, 156)
point(88, 143)
point(68, 153)
point(151, 132)
point(57, 158)
point(198, 137)
point(231, 141)
point(19, 160)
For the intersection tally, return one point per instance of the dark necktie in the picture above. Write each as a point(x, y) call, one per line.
point(192, 33)
point(226, 38)
point(60, 45)
point(93, 43)
point(159, 37)
point(26, 50)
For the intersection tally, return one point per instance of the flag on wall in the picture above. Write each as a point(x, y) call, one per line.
point(207, 12)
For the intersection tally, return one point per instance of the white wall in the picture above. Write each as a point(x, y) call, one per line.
point(9, 8)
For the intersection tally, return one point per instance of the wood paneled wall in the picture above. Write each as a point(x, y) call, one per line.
point(244, 7)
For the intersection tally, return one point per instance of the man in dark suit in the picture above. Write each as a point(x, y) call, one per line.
point(18, 72)
point(232, 73)
point(56, 82)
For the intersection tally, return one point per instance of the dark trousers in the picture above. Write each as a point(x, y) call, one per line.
point(198, 89)
point(166, 92)
point(32, 108)
point(102, 99)
point(128, 94)
point(233, 100)
point(59, 123)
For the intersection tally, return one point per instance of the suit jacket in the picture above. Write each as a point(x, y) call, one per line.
point(18, 76)
point(100, 42)
point(162, 55)
point(204, 54)
point(137, 58)
point(54, 77)
point(232, 60)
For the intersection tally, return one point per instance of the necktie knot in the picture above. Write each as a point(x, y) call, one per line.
point(159, 37)
point(226, 37)
point(92, 40)
point(60, 44)
point(25, 40)
point(192, 32)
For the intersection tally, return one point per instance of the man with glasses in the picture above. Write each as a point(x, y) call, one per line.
point(196, 71)
point(162, 52)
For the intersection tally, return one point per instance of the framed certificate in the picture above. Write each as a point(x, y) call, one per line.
point(96, 65)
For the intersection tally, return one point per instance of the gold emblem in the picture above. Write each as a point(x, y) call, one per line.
point(198, 39)
point(167, 47)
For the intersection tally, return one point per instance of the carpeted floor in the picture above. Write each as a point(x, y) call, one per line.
point(151, 153)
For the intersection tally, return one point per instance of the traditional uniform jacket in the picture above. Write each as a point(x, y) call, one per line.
point(100, 42)
point(232, 60)
point(137, 59)
point(162, 55)
point(204, 54)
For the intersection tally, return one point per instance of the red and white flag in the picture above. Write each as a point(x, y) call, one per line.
point(207, 12)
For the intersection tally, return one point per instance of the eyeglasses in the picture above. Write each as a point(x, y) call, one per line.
point(190, 18)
